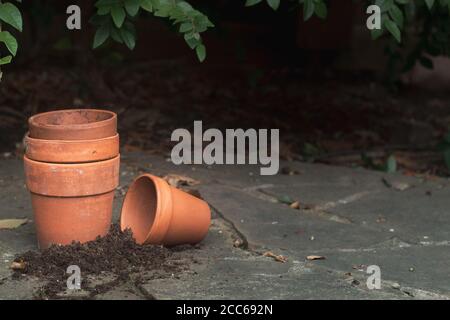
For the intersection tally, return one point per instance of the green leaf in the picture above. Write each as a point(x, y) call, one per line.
point(11, 15)
point(9, 41)
point(447, 158)
point(376, 33)
point(384, 4)
point(114, 33)
point(5, 60)
point(128, 38)
point(132, 7)
point(147, 5)
point(101, 35)
point(249, 3)
point(285, 199)
point(397, 15)
point(391, 164)
point(321, 10)
point(186, 27)
point(310, 151)
point(201, 52)
point(308, 9)
point(393, 29)
point(118, 15)
point(274, 4)
point(429, 3)
point(191, 41)
point(107, 3)
point(103, 11)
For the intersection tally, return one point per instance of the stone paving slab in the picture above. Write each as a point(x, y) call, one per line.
point(354, 219)
point(232, 273)
point(274, 225)
point(420, 271)
point(420, 214)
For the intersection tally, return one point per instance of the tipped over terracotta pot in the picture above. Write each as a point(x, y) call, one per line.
point(71, 202)
point(73, 124)
point(158, 213)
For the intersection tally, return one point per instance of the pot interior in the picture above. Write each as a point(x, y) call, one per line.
point(72, 117)
point(139, 208)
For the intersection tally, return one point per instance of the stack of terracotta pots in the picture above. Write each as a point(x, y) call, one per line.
point(72, 169)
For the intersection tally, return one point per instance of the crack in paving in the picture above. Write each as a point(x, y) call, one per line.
point(317, 211)
point(234, 230)
point(244, 244)
point(144, 293)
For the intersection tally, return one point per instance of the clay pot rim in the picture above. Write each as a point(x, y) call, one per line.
point(69, 165)
point(32, 121)
point(163, 210)
point(27, 137)
point(63, 180)
point(67, 151)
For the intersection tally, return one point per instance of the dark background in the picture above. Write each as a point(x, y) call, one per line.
point(320, 82)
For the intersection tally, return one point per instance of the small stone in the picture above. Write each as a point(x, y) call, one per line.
point(412, 269)
point(237, 243)
point(381, 219)
point(395, 285)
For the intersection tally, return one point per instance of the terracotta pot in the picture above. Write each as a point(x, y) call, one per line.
point(158, 213)
point(75, 124)
point(72, 151)
point(71, 202)
point(62, 220)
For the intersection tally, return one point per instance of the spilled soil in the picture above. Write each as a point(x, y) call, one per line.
point(115, 255)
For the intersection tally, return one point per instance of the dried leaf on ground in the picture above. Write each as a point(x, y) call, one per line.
point(12, 223)
point(289, 171)
point(18, 265)
point(359, 267)
point(381, 220)
point(295, 205)
point(278, 258)
point(176, 180)
point(313, 257)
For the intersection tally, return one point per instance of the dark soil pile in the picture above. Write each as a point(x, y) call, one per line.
point(116, 253)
